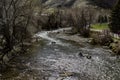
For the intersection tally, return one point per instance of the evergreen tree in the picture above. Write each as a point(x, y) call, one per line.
point(115, 18)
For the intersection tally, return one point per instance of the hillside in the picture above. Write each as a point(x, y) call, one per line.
point(103, 3)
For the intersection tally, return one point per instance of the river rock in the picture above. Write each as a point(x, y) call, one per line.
point(115, 47)
point(66, 74)
point(53, 42)
point(80, 54)
point(88, 57)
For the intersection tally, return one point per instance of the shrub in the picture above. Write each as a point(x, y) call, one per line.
point(54, 21)
point(80, 20)
point(103, 38)
point(85, 32)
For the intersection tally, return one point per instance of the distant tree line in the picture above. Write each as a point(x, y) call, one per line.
point(103, 3)
point(115, 19)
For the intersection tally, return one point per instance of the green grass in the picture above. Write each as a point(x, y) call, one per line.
point(100, 26)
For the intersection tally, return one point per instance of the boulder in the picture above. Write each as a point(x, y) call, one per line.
point(115, 47)
point(88, 57)
point(80, 54)
point(53, 42)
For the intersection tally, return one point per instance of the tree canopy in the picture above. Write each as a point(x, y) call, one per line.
point(115, 18)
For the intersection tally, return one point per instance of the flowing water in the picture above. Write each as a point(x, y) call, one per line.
point(60, 60)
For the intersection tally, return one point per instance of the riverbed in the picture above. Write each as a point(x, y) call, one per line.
point(58, 58)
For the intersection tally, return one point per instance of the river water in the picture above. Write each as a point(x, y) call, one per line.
point(58, 59)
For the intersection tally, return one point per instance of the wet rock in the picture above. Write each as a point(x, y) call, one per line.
point(53, 42)
point(88, 57)
point(66, 74)
point(115, 47)
point(80, 54)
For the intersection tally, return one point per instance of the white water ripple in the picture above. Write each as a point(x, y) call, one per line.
point(44, 35)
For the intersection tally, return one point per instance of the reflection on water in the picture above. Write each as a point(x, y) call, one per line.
point(61, 62)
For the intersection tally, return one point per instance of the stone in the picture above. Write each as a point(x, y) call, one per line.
point(80, 54)
point(53, 42)
point(88, 57)
point(115, 47)
point(66, 74)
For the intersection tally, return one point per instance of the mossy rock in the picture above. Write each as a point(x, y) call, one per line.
point(115, 47)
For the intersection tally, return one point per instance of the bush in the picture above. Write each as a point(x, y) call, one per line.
point(85, 32)
point(103, 38)
point(80, 20)
point(53, 21)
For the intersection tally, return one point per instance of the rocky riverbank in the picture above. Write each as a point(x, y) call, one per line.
point(60, 57)
point(76, 38)
point(67, 35)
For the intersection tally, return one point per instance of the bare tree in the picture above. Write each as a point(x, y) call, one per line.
point(15, 18)
point(80, 19)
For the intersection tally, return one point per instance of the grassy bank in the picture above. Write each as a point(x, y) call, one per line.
point(99, 26)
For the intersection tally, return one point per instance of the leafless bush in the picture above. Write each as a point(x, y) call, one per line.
point(80, 20)
point(103, 38)
point(53, 21)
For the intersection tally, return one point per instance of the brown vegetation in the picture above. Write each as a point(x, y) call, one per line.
point(80, 20)
point(103, 38)
point(16, 16)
